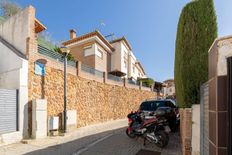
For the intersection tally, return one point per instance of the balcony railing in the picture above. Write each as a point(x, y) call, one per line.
point(91, 70)
point(114, 78)
point(54, 55)
point(133, 82)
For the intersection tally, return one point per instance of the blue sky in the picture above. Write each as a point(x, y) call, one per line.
point(149, 25)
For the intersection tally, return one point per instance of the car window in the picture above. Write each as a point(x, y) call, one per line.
point(146, 106)
point(169, 104)
point(160, 103)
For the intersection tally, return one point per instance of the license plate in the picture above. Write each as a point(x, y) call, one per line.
point(167, 129)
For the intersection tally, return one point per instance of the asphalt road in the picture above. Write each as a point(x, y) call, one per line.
point(113, 142)
point(117, 143)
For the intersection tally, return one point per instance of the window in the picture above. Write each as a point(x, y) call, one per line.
point(88, 51)
point(152, 105)
point(99, 53)
point(169, 104)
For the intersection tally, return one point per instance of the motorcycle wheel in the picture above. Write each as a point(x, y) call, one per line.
point(131, 135)
point(162, 139)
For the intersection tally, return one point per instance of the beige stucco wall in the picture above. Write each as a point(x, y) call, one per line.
point(91, 60)
point(224, 51)
point(16, 29)
point(78, 54)
point(116, 57)
point(100, 63)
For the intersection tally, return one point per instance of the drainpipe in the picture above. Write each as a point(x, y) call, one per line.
point(229, 75)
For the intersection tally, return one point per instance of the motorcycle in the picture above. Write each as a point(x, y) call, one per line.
point(154, 129)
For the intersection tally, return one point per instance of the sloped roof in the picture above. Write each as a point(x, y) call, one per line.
point(89, 35)
point(122, 39)
point(13, 48)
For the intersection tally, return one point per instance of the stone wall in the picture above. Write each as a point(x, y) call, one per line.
point(94, 101)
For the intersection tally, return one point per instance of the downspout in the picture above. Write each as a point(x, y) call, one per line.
point(229, 122)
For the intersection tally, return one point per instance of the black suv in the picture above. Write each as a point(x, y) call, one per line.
point(150, 107)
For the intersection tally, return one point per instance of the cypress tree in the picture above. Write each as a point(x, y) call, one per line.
point(197, 29)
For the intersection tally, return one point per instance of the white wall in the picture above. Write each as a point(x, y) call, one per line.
point(169, 90)
point(10, 65)
point(131, 64)
point(124, 53)
point(196, 129)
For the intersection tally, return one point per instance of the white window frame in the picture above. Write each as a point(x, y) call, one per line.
point(87, 51)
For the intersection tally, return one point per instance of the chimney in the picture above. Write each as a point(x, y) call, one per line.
point(72, 34)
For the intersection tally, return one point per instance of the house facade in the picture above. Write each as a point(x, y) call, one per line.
point(169, 88)
point(92, 49)
point(113, 57)
point(16, 39)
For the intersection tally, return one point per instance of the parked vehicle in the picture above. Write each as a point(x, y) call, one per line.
point(154, 129)
point(150, 106)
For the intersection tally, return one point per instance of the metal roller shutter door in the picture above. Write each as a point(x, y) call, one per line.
point(8, 111)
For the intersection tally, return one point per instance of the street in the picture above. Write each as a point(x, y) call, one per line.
point(114, 142)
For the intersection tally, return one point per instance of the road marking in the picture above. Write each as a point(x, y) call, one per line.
point(91, 145)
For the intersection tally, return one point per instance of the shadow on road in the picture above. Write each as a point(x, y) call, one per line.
point(113, 142)
point(73, 146)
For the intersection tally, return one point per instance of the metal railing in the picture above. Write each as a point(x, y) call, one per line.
point(91, 70)
point(204, 127)
point(114, 78)
point(54, 55)
point(132, 82)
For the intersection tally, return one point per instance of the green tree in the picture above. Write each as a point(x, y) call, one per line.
point(197, 29)
point(9, 8)
point(147, 82)
point(69, 57)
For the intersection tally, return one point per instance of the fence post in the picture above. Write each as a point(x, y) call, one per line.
point(152, 87)
point(105, 77)
point(78, 68)
point(124, 82)
point(140, 84)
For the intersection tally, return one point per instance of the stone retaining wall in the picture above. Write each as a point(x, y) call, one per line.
point(94, 101)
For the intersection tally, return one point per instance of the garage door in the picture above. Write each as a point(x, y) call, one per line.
point(8, 111)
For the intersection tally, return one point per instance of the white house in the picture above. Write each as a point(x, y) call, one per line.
point(169, 88)
point(124, 62)
point(15, 35)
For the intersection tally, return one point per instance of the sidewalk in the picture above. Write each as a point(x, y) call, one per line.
point(65, 143)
